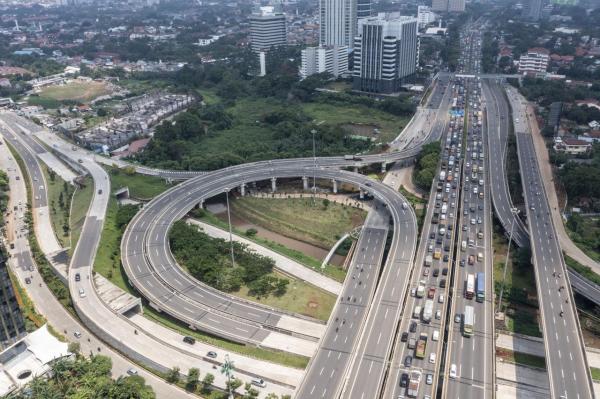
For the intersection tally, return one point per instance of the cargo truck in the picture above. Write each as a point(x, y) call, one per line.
point(421, 346)
point(413, 383)
point(428, 311)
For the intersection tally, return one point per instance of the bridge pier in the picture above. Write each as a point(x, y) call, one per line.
point(200, 204)
point(243, 189)
point(361, 194)
point(305, 183)
point(356, 169)
point(335, 187)
point(273, 184)
point(383, 167)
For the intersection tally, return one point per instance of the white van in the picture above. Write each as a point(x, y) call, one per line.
point(259, 382)
point(417, 312)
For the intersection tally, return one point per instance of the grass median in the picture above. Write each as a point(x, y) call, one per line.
point(82, 197)
point(59, 194)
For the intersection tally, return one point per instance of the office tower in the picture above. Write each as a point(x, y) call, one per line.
point(385, 52)
point(267, 29)
point(456, 5)
point(12, 326)
point(425, 16)
point(338, 22)
point(534, 10)
point(363, 8)
point(439, 5)
point(332, 59)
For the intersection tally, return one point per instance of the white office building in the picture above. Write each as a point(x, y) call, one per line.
point(337, 20)
point(535, 62)
point(425, 16)
point(332, 59)
point(439, 5)
point(385, 52)
point(267, 29)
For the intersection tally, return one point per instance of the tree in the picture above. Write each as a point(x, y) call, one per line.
point(207, 382)
point(173, 375)
point(192, 380)
point(74, 347)
point(250, 392)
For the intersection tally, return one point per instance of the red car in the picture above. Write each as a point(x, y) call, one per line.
point(431, 293)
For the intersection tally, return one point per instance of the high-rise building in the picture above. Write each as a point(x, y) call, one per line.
point(332, 59)
point(363, 8)
point(337, 20)
point(456, 5)
point(12, 326)
point(439, 5)
point(425, 16)
point(267, 29)
point(385, 52)
point(534, 9)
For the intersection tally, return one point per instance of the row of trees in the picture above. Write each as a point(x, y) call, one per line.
point(208, 259)
point(426, 166)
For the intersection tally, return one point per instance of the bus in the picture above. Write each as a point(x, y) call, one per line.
point(470, 286)
point(480, 287)
point(468, 321)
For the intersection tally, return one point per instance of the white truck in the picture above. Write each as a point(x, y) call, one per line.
point(413, 383)
point(428, 311)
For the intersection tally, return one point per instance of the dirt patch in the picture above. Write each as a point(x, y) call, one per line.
point(362, 129)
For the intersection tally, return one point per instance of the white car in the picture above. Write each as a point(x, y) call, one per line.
point(432, 358)
point(81, 293)
point(436, 335)
point(453, 371)
point(132, 371)
point(438, 314)
point(441, 298)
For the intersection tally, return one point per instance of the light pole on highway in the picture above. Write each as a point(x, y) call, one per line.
point(229, 220)
point(314, 188)
point(227, 369)
point(515, 213)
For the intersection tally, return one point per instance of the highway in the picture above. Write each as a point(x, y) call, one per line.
point(566, 362)
point(498, 120)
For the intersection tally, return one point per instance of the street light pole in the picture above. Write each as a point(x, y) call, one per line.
point(514, 212)
point(314, 188)
point(230, 234)
point(227, 369)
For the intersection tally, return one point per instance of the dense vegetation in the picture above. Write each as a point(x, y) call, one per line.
point(545, 92)
point(581, 181)
point(208, 259)
point(4, 188)
point(85, 378)
point(426, 166)
point(489, 52)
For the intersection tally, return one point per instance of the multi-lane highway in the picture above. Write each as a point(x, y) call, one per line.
point(566, 362)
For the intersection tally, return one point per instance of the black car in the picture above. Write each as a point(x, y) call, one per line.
point(432, 235)
point(413, 326)
point(445, 271)
point(77, 277)
point(404, 380)
point(404, 337)
point(446, 258)
point(189, 340)
point(443, 283)
point(447, 247)
point(439, 240)
point(436, 272)
point(408, 361)
point(462, 262)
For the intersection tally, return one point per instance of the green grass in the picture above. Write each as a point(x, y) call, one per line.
point(284, 358)
point(140, 186)
point(595, 373)
point(79, 208)
point(299, 219)
point(389, 125)
point(55, 185)
point(77, 91)
point(108, 256)
point(586, 236)
point(331, 271)
point(33, 320)
point(209, 96)
point(521, 358)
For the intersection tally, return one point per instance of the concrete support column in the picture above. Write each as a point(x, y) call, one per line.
point(383, 167)
point(200, 204)
point(356, 169)
point(335, 188)
point(361, 194)
point(243, 189)
point(304, 183)
point(273, 184)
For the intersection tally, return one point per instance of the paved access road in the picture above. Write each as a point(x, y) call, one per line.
point(566, 362)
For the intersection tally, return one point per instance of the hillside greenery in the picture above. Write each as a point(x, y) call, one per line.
point(426, 166)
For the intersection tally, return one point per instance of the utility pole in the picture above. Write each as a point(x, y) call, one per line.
point(514, 212)
point(313, 131)
point(230, 234)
